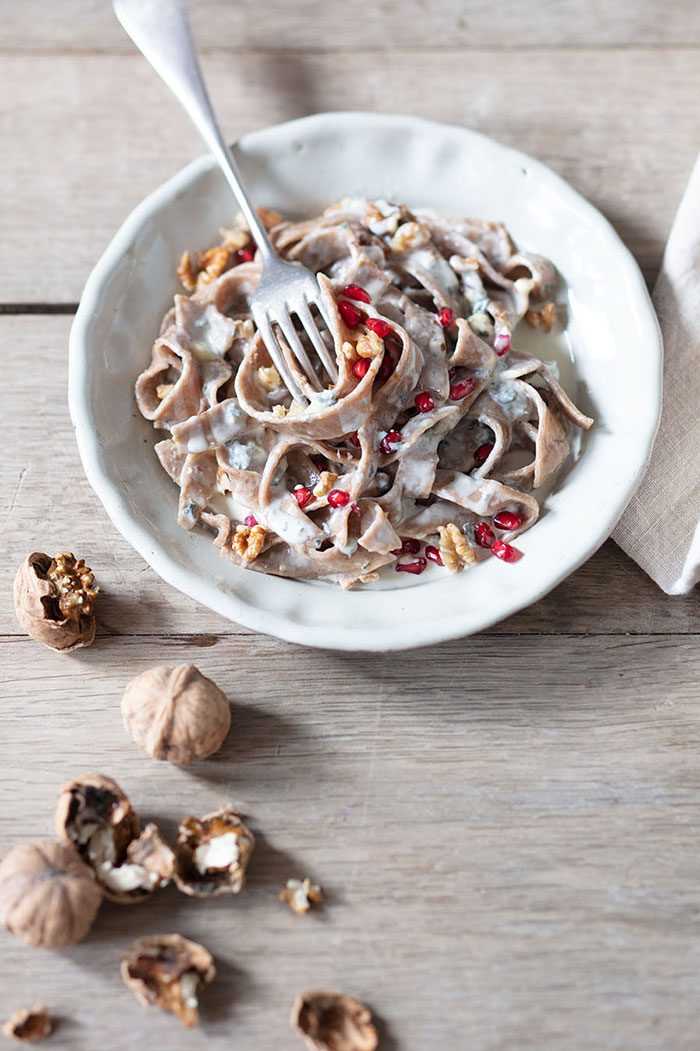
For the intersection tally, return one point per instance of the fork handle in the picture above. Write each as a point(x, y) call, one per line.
point(160, 29)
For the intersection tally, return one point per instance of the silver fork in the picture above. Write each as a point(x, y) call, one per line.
point(161, 31)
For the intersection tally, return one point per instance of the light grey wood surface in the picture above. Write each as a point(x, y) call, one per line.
point(506, 826)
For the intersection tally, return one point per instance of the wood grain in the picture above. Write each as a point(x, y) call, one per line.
point(505, 826)
point(385, 26)
point(99, 132)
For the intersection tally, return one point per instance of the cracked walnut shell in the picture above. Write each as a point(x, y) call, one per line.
point(333, 1022)
point(48, 896)
point(213, 853)
point(176, 714)
point(95, 816)
point(169, 971)
point(28, 1025)
point(55, 600)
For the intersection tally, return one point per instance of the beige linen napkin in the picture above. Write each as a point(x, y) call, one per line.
point(661, 527)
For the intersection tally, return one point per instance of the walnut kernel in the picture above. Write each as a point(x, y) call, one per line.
point(211, 264)
point(333, 1022)
point(546, 316)
point(28, 1025)
point(176, 714)
point(169, 971)
point(187, 272)
point(301, 895)
point(409, 235)
point(55, 600)
point(248, 541)
point(213, 853)
point(95, 816)
point(455, 550)
point(326, 481)
point(48, 896)
point(369, 345)
point(268, 378)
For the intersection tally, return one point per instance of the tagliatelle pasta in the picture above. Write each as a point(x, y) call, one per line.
point(434, 434)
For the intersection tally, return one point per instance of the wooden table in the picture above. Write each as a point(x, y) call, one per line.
point(506, 826)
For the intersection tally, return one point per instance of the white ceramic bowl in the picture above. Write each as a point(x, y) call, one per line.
point(299, 168)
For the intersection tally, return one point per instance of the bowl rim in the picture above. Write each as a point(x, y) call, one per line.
point(229, 605)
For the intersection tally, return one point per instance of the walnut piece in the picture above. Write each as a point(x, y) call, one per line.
point(333, 1022)
point(455, 550)
point(55, 601)
point(95, 816)
point(176, 714)
point(268, 378)
point(248, 541)
point(211, 264)
point(409, 235)
point(301, 895)
point(326, 481)
point(234, 238)
point(212, 854)
point(187, 272)
point(370, 345)
point(546, 315)
point(28, 1025)
point(48, 896)
point(168, 971)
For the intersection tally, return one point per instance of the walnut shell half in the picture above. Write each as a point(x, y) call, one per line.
point(169, 971)
point(333, 1022)
point(213, 853)
point(28, 1025)
point(95, 816)
point(176, 714)
point(54, 601)
point(48, 896)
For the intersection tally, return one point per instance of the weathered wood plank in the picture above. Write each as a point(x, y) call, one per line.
point(49, 506)
point(82, 25)
point(506, 832)
point(92, 134)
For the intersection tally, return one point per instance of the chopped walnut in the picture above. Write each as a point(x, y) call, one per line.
point(268, 217)
point(234, 239)
point(268, 378)
point(546, 316)
point(333, 1022)
point(28, 1025)
point(369, 345)
point(211, 264)
point(248, 541)
point(349, 351)
point(382, 223)
point(74, 586)
point(409, 235)
point(455, 550)
point(279, 411)
point(187, 272)
point(301, 895)
point(169, 971)
point(164, 389)
point(325, 483)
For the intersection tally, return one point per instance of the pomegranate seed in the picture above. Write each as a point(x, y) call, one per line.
point(250, 520)
point(409, 546)
point(379, 327)
point(355, 508)
point(424, 402)
point(504, 551)
point(416, 567)
point(483, 452)
point(350, 314)
point(354, 440)
point(386, 368)
point(461, 388)
point(389, 441)
point(247, 253)
point(507, 520)
point(483, 535)
point(338, 498)
point(445, 316)
point(356, 292)
point(303, 495)
point(361, 368)
point(433, 554)
point(501, 343)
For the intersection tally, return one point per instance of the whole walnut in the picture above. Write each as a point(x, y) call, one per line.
point(176, 713)
point(48, 896)
point(55, 601)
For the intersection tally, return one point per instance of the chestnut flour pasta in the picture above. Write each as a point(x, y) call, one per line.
point(428, 445)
